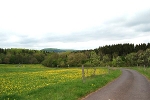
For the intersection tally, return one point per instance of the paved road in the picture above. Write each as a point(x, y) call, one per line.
point(129, 86)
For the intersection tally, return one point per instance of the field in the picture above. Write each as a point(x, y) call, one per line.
point(35, 82)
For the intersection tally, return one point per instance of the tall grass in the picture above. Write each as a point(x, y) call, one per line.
point(143, 70)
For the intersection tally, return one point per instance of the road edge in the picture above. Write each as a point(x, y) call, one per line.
point(82, 98)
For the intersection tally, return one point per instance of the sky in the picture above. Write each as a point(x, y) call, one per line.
point(73, 24)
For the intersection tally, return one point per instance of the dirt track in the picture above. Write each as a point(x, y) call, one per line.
point(129, 86)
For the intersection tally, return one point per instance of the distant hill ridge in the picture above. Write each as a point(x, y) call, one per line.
point(57, 50)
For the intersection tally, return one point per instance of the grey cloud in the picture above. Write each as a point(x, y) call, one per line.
point(104, 33)
point(3, 35)
point(113, 30)
point(140, 22)
point(140, 18)
point(143, 28)
point(120, 20)
point(119, 28)
point(27, 40)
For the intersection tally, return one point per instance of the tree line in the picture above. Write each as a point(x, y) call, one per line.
point(117, 55)
point(21, 56)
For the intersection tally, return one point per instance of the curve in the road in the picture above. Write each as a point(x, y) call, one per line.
point(131, 85)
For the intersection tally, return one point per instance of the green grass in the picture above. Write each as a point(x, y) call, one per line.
point(144, 71)
point(36, 82)
point(6, 68)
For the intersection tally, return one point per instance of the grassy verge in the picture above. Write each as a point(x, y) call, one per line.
point(35, 82)
point(144, 71)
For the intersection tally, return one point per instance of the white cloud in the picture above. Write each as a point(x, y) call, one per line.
point(74, 24)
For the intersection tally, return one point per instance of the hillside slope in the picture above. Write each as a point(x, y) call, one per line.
point(57, 50)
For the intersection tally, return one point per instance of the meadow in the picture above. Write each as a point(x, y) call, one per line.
point(36, 82)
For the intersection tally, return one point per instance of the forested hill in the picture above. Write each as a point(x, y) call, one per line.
point(112, 55)
point(57, 50)
point(122, 49)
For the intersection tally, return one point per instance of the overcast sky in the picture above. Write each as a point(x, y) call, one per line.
point(73, 24)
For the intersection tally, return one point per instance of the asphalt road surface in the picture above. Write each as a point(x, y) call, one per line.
point(131, 85)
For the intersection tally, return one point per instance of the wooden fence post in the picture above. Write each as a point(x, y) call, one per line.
point(108, 69)
point(87, 73)
point(94, 71)
point(83, 74)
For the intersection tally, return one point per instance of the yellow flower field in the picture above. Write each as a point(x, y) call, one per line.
point(18, 82)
